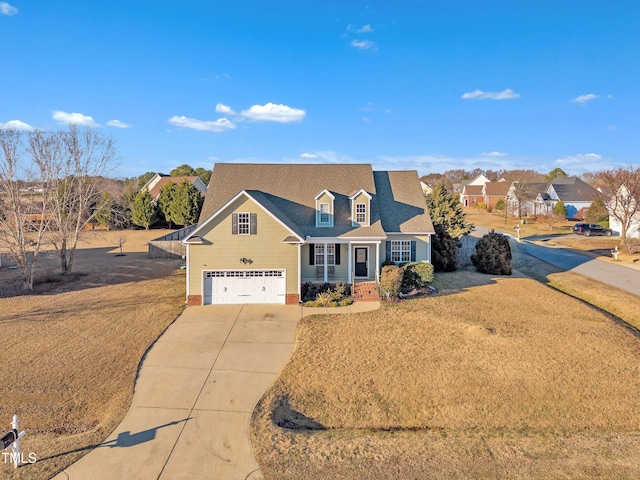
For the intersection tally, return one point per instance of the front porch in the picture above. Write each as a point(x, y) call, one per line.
point(333, 261)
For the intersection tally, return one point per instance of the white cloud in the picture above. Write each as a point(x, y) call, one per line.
point(65, 118)
point(581, 160)
point(365, 29)
point(363, 44)
point(6, 9)
point(118, 124)
point(366, 119)
point(220, 125)
point(494, 154)
point(224, 109)
point(612, 127)
point(585, 98)
point(324, 156)
point(15, 125)
point(507, 94)
point(274, 113)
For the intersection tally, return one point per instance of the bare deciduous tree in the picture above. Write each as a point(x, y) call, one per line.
point(524, 189)
point(85, 156)
point(24, 200)
point(623, 186)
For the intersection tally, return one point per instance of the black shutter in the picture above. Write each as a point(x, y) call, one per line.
point(413, 250)
point(337, 247)
point(234, 223)
point(253, 223)
point(312, 254)
point(388, 251)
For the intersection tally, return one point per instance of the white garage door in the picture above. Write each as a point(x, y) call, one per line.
point(244, 286)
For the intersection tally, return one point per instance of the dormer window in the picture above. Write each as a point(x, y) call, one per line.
point(360, 209)
point(325, 213)
point(324, 209)
point(361, 213)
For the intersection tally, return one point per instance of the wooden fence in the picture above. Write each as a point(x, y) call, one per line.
point(169, 246)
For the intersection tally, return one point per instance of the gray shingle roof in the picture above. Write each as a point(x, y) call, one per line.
point(572, 189)
point(288, 191)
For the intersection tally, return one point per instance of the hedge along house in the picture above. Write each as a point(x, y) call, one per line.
point(264, 230)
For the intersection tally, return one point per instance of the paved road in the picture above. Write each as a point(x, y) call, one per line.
point(619, 276)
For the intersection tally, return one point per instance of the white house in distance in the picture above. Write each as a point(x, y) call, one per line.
point(576, 195)
point(159, 180)
point(622, 199)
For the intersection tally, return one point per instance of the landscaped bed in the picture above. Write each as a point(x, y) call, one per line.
point(495, 377)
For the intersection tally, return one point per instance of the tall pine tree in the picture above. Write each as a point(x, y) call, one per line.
point(144, 212)
point(450, 224)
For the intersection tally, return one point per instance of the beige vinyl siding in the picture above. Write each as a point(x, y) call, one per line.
point(422, 246)
point(223, 250)
point(341, 271)
point(361, 198)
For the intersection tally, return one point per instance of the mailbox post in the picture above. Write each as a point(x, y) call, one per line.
point(11, 440)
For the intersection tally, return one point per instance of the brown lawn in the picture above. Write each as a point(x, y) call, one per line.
point(71, 351)
point(494, 378)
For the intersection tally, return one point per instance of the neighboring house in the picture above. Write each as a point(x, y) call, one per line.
point(264, 230)
point(576, 195)
point(493, 192)
point(480, 180)
point(155, 184)
point(471, 195)
point(426, 189)
point(623, 200)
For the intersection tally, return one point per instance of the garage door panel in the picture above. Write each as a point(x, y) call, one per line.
point(244, 286)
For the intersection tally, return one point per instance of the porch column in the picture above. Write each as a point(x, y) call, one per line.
point(377, 262)
point(349, 279)
point(300, 272)
point(326, 273)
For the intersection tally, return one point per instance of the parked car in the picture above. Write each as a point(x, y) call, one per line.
point(588, 229)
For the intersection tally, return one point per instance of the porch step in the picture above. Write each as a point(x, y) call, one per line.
point(365, 292)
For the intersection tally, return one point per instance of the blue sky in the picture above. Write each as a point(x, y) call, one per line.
point(425, 85)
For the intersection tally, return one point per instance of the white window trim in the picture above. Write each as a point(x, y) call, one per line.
point(247, 223)
point(319, 256)
point(401, 248)
point(357, 213)
point(327, 213)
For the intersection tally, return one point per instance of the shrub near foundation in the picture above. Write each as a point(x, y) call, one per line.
point(417, 275)
point(391, 282)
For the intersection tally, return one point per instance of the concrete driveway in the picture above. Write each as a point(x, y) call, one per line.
point(196, 391)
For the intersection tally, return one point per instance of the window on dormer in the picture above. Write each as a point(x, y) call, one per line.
point(325, 213)
point(361, 212)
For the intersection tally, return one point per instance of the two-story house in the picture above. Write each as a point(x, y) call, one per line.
point(265, 229)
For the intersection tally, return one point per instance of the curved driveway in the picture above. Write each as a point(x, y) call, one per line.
point(196, 390)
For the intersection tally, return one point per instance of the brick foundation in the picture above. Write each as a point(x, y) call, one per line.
point(292, 299)
point(194, 300)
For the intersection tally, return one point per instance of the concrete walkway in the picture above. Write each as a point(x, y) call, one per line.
point(196, 391)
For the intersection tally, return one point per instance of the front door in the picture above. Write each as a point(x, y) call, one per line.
point(362, 254)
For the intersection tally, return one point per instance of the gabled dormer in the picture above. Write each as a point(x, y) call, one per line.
point(325, 202)
point(360, 209)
